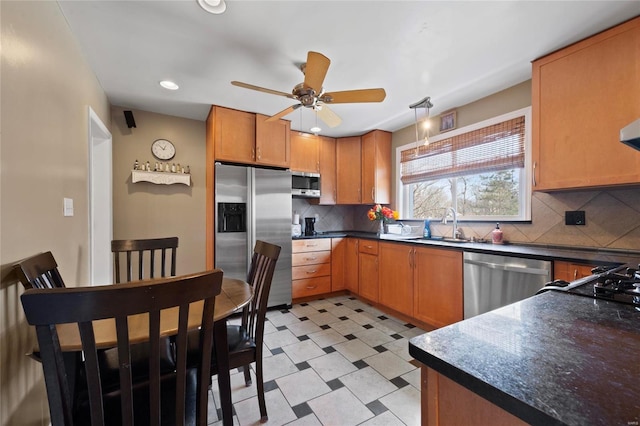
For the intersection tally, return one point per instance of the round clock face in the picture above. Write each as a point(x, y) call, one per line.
point(162, 149)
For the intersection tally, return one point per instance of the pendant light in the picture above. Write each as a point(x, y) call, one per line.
point(427, 105)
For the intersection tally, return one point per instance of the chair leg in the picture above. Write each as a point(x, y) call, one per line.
point(247, 375)
point(260, 389)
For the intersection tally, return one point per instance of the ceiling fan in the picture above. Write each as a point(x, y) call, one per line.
point(311, 94)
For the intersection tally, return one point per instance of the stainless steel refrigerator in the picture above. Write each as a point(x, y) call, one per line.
point(253, 204)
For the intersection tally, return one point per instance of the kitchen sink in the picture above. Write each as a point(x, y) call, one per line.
point(446, 240)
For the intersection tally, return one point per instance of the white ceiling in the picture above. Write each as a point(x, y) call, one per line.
point(454, 51)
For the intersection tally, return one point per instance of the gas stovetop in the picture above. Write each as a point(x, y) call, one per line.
point(619, 284)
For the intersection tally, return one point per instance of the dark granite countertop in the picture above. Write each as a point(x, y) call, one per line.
point(536, 251)
point(554, 358)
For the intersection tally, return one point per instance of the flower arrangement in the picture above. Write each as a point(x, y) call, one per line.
point(384, 214)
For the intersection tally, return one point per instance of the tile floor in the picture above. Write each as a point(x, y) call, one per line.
point(335, 361)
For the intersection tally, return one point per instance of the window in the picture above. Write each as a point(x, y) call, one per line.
point(481, 171)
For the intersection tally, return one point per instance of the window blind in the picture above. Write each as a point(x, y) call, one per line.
point(492, 148)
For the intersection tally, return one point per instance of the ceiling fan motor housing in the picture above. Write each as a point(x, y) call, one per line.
point(306, 95)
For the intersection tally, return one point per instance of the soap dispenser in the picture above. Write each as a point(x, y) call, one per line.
point(496, 235)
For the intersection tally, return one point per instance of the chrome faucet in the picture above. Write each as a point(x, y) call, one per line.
point(455, 220)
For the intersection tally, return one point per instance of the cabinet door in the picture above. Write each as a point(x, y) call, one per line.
point(234, 135)
point(438, 286)
point(348, 170)
point(581, 97)
point(338, 251)
point(376, 167)
point(351, 265)
point(368, 276)
point(273, 143)
point(327, 170)
point(569, 271)
point(305, 152)
point(396, 276)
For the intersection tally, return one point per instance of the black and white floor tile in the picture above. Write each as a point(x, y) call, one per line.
point(334, 361)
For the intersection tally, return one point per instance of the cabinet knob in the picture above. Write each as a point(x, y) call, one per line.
point(310, 258)
point(312, 272)
point(311, 287)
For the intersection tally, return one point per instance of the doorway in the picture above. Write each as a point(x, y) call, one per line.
point(100, 201)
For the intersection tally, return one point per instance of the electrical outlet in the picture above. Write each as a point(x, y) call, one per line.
point(576, 217)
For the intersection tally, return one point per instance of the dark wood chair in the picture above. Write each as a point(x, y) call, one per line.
point(82, 305)
point(39, 271)
point(245, 341)
point(145, 249)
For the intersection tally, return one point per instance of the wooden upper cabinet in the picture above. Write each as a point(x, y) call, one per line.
point(327, 170)
point(376, 167)
point(305, 152)
point(273, 142)
point(234, 135)
point(582, 96)
point(348, 170)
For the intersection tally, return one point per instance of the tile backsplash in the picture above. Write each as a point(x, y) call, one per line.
point(612, 220)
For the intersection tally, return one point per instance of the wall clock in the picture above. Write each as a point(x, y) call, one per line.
point(163, 149)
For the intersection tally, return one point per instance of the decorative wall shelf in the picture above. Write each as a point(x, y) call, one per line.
point(160, 178)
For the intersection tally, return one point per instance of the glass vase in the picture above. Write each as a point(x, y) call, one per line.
point(380, 227)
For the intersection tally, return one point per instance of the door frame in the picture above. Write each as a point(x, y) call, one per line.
point(100, 201)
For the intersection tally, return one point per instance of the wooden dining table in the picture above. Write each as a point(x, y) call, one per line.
point(235, 294)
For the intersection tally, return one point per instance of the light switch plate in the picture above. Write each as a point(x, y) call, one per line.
point(68, 207)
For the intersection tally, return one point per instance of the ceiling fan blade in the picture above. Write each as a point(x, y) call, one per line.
point(283, 112)
point(328, 116)
point(262, 89)
point(315, 70)
point(354, 96)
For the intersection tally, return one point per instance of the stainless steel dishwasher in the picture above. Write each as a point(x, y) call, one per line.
point(492, 281)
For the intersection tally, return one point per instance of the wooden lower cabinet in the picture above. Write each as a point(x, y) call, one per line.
point(338, 251)
point(351, 260)
point(445, 402)
point(395, 276)
point(437, 298)
point(368, 270)
point(570, 271)
point(311, 267)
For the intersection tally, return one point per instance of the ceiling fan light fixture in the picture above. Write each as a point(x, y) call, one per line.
point(315, 129)
point(213, 6)
point(169, 85)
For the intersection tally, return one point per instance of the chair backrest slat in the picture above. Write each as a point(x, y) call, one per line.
point(83, 305)
point(39, 271)
point(263, 265)
point(145, 248)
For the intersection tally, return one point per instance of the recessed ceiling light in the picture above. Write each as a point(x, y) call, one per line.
point(169, 85)
point(315, 129)
point(213, 6)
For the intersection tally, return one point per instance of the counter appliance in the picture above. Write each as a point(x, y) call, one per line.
point(492, 281)
point(253, 204)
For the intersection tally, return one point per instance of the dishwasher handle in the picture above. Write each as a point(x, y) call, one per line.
point(510, 268)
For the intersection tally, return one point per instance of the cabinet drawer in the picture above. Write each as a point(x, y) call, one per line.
point(318, 244)
point(368, 246)
point(311, 286)
point(310, 271)
point(310, 258)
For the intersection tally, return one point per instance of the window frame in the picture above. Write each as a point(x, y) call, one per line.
point(403, 198)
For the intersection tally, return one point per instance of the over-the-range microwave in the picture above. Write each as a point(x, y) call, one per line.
point(305, 184)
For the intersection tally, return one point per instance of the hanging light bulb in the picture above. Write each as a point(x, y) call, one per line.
point(427, 126)
point(315, 129)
